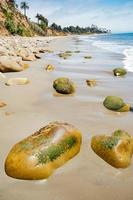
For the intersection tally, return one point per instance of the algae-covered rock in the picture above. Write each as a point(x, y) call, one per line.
point(88, 57)
point(91, 83)
point(77, 51)
point(68, 52)
point(120, 71)
point(63, 86)
point(50, 68)
point(37, 156)
point(65, 55)
point(115, 103)
point(116, 150)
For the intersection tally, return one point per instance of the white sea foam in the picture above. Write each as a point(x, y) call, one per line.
point(110, 46)
point(116, 47)
point(128, 60)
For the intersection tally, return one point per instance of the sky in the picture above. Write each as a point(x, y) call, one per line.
point(116, 15)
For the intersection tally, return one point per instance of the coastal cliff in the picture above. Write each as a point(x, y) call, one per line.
point(13, 22)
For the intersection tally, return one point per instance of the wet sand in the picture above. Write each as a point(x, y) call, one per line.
point(32, 106)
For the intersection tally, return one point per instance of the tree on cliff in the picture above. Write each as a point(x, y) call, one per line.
point(24, 6)
point(13, 3)
point(42, 21)
point(38, 16)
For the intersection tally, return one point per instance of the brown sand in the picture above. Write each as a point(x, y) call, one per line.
point(32, 106)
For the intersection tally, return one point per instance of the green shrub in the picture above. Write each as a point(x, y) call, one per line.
point(36, 28)
point(10, 25)
point(20, 30)
point(43, 25)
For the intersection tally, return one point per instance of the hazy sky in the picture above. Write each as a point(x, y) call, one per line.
point(116, 15)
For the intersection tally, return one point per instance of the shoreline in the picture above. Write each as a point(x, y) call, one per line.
point(34, 105)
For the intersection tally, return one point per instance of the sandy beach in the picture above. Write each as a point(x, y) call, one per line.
point(32, 106)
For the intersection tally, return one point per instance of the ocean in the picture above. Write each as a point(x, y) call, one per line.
point(118, 43)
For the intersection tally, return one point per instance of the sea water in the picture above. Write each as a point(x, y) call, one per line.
point(118, 43)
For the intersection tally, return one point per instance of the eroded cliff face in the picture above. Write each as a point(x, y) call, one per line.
point(3, 30)
point(12, 21)
point(51, 32)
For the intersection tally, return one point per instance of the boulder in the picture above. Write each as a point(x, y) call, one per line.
point(63, 86)
point(115, 103)
point(10, 64)
point(116, 150)
point(37, 156)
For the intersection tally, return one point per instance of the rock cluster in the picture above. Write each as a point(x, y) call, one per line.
point(16, 51)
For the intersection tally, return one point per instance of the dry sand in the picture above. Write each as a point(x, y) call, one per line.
point(32, 106)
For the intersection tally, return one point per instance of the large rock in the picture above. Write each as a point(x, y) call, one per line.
point(116, 150)
point(10, 64)
point(115, 103)
point(16, 81)
point(37, 156)
point(63, 86)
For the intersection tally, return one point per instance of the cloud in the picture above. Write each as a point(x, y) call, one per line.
point(111, 14)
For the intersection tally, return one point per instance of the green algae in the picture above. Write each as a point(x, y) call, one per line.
point(55, 151)
point(120, 133)
point(110, 143)
point(63, 86)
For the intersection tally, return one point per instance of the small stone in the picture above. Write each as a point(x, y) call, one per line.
point(8, 113)
point(88, 57)
point(120, 71)
point(64, 55)
point(42, 51)
point(91, 83)
point(2, 104)
point(50, 68)
point(17, 81)
point(76, 51)
point(38, 56)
